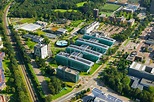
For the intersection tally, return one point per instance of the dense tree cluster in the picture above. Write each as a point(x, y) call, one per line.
point(46, 9)
point(123, 35)
point(18, 86)
point(146, 3)
point(27, 60)
point(116, 78)
point(55, 85)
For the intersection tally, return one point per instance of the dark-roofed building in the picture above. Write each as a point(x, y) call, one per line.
point(102, 97)
point(141, 71)
point(67, 73)
point(61, 31)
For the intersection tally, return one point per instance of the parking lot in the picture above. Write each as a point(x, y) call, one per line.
point(110, 29)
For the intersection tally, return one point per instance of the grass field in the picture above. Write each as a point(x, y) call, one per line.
point(63, 10)
point(106, 13)
point(110, 7)
point(63, 92)
point(75, 23)
point(27, 20)
point(80, 4)
point(30, 44)
point(93, 69)
point(40, 32)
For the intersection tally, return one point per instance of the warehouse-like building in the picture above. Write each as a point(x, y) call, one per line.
point(68, 74)
point(74, 61)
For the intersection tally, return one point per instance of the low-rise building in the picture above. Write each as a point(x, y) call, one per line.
point(103, 17)
point(131, 22)
point(121, 19)
point(41, 23)
point(90, 28)
point(61, 31)
point(141, 71)
point(101, 39)
point(74, 60)
point(34, 38)
point(86, 50)
point(103, 97)
point(131, 8)
point(68, 74)
point(96, 46)
point(41, 50)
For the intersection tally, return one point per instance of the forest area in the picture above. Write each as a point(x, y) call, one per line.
point(50, 9)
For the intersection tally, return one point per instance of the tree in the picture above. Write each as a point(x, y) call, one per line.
point(48, 98)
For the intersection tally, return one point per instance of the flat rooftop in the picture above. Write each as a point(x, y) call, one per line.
point(90, 42)
point(97, 35)
point(68, 70)
point(141, 67)
point(30, 27)
point(85, 48)
point(102, 97)
point(147, 82)
point(76, 56)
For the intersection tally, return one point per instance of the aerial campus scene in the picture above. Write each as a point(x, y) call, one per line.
point(76, 50)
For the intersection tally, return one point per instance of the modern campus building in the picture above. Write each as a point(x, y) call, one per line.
point(68, 74)
point(101, 39)
point(86, 51)
point(74, 60)
point(90, 28)
point(103, 97)
point(2, 77)
point(94, 43)
point(34, 38)
point(131, 8)
point(41, 50)
point(141, 71)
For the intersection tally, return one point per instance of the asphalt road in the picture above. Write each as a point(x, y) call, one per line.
point(29, 84)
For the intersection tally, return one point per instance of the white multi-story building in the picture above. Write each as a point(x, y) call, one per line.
point(91, 27)
point(41, 50)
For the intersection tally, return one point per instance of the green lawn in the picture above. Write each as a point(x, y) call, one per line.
point(63, 92)
point(40, 32)
point(63, 10)
point(30, 44)
point(27, 20)
point(93, 69)
point(106, 13)
point(75, 23)
point(126, 42)
point(80, 4)
point(110, 7)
